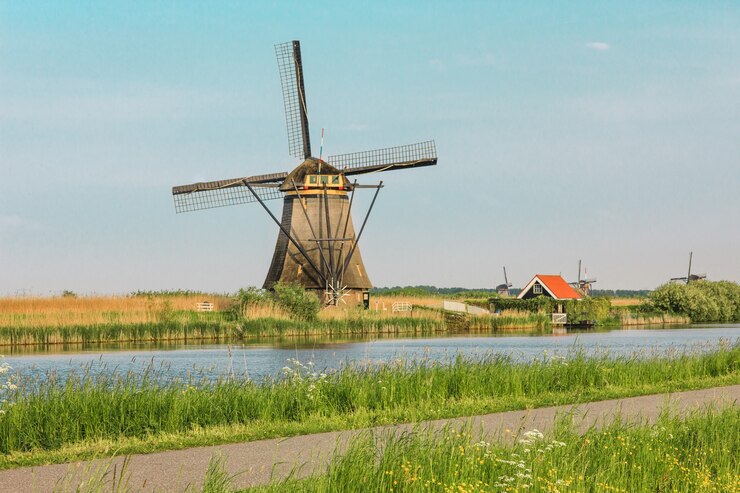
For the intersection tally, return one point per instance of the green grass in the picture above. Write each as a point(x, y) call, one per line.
point(201, 326)
point(696, 454)
point(86, 416)
point(117, 332)
point(361, 325)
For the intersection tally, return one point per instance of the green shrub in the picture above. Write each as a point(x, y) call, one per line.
point(701, 301)
point(301, 304)
point(587, 310)
point(248, 297)
point(538, 304)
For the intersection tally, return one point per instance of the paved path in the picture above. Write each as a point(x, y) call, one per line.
point(256, 462)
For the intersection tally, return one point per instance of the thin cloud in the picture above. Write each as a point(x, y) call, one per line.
point(480, 60)
point(597, 45)
point(8, 222)
point(357, 127)
point(437, 64)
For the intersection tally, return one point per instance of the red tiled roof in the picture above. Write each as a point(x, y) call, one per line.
point(557, 286)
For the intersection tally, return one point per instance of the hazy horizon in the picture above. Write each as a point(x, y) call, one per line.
point(607, 133)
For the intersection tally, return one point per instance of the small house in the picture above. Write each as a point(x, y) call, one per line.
point(551, 286)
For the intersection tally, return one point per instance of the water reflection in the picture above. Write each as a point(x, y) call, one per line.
point(260, 358)
point(294, 341)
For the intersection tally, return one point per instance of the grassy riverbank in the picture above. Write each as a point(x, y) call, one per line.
point(210, 327)
point(88, 416)
point(696, 453)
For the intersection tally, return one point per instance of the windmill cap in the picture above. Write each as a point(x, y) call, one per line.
point(309, 167)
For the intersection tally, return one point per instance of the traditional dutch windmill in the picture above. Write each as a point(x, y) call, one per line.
point(690, 277)
point(503, 289)
point(317, 245)
point(584, 284)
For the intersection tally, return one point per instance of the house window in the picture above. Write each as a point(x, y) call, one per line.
point(537, 289)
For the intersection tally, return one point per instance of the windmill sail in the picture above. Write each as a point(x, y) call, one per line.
point(222, 193)
point(390, 158)
point(294, 97)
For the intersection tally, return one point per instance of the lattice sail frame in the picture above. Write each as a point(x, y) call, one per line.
point(223, 193)
point(406, 156)
point(294, 97)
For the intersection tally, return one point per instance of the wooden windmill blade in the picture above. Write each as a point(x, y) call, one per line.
point(222, 193)
point(390, 158)
point(290, 67)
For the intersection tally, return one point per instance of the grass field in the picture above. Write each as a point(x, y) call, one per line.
point(626, 301)
point(87, 416)
point(698, 453)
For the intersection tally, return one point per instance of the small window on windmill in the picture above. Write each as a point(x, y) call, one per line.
point(324, 179)
point(537, 289)
point(312, 179)
point(335, 180)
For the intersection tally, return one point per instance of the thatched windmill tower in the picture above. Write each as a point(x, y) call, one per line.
point(317, 243)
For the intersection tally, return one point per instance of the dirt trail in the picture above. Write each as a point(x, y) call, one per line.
point(256, 462)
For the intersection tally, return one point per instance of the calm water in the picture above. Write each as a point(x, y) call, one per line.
point(266, 358)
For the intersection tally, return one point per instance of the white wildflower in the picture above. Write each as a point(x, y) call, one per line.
point(534, 435)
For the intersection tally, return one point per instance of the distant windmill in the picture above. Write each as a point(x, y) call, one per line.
point(690, 277)
point(585, 283)
point(503, 289)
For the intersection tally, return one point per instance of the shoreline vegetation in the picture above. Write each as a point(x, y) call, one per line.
point(91, 415)
point(290, 311)
point(693, 453)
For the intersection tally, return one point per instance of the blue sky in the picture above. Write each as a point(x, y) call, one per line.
point(603, 131)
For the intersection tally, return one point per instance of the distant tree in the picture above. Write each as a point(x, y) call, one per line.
point(69, 294)
point(701, 301)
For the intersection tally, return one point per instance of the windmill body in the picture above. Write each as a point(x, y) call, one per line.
point(316, 210)
point(317, 244)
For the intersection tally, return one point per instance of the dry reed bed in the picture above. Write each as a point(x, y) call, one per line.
point(29, 312)
point(47, 321)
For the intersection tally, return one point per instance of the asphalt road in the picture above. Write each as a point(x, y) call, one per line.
point(255, 463)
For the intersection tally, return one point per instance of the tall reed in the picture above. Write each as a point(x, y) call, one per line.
point(38, 312)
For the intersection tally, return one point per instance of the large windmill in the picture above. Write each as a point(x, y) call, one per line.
point(317, 245)
point(690, 277)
